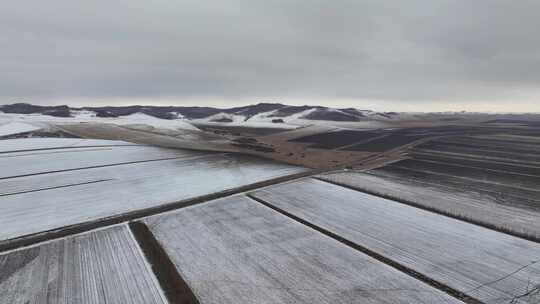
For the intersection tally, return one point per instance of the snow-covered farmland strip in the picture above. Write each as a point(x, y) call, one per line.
point(123, 189)
point(16, 128)
point(105, 266)
point(21, 164)
point(481, 208)
point(235, 250)
point(485, 264)
point(38, 144)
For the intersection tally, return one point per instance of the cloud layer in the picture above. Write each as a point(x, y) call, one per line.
point(432, 55)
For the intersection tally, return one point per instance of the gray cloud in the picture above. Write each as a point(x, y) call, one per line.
point(431, 54)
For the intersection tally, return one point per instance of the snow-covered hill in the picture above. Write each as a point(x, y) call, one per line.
point(263, 112)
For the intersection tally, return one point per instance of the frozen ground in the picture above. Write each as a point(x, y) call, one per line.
point(104, 266)
point(236, 250)
point(490, 266)
point(55, 192)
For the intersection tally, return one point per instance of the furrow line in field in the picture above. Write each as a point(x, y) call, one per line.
point(411, 272)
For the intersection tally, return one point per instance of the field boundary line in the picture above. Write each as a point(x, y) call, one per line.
point(172, 284)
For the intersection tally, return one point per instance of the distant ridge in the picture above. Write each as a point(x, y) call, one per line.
point(265, 110)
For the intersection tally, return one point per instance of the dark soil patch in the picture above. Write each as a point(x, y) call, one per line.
point(386, 143)
point(332, 140)
point(240, 130)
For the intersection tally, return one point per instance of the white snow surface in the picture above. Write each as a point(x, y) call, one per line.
point(16, 127)
point(491, 266)
point(36, 143)
point(257, 121)
point(103, 266)
point(89, 116)
point(235, 250)
point(43, 190)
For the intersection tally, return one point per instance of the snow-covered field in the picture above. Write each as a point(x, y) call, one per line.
point(36, 203)
point(44, 161)
point(29, 144)
point(235, 250)
point(490, 266)
point(10, 128)
point(464, 204)
point(104, 266)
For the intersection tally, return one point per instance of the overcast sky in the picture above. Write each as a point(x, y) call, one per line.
point(476, 55)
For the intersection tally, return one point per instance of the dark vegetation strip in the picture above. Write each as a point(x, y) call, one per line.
point(173, 285)
point(487, 225)
point(100, 166)
point(61, 232)
point(69, 147)
point(57, 187)
point(402, 268)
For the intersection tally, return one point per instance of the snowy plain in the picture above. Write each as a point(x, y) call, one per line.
point(235, 250)
point(490, 266)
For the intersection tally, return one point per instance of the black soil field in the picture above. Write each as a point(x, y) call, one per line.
point(468, 162)
point(492, 142)
point(333, 140)
point(386, 143)
point(500, 154)
point(502, 194)
point(508, 147)
point(488, 176)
